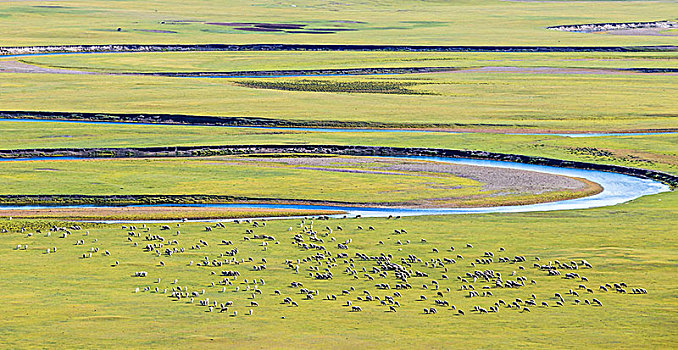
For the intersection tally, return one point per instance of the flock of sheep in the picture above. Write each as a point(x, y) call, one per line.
point(323, 264)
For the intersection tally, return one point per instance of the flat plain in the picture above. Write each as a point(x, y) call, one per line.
point(155, 276)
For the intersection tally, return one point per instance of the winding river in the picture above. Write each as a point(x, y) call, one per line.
point(617, 189)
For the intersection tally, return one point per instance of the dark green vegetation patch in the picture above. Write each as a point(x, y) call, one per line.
point(360, 87)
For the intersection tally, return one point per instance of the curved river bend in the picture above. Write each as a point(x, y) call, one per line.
point(617, 188)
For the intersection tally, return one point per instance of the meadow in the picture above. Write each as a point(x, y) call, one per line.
point(631, 243)
point(490, 22)
point(154, 213)
point(482, 90)
point(352, 180)
point(473, 100)
point(254, 61)
point(658, 152)
point(178, 278)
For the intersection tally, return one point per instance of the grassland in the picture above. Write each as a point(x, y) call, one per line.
point(154, 213)
point(649, 151)
point(632, 243)
point(250, 61)
point(490, 22)
point(83, 294)
point(562, 89)
point(480, 99)
point(360, 181)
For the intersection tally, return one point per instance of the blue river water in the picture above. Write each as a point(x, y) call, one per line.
point(336, 130)
point(617, 189)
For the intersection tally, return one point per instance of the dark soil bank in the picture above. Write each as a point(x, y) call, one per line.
point(222, 121)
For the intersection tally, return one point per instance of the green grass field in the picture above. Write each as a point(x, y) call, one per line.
point(631, 243)
point(253, 61)
point(494, 100)
point(79, 291)
point(650, 151)
point(156, 213)
point(360, 181)
point(489, 22)
point(566, 92)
